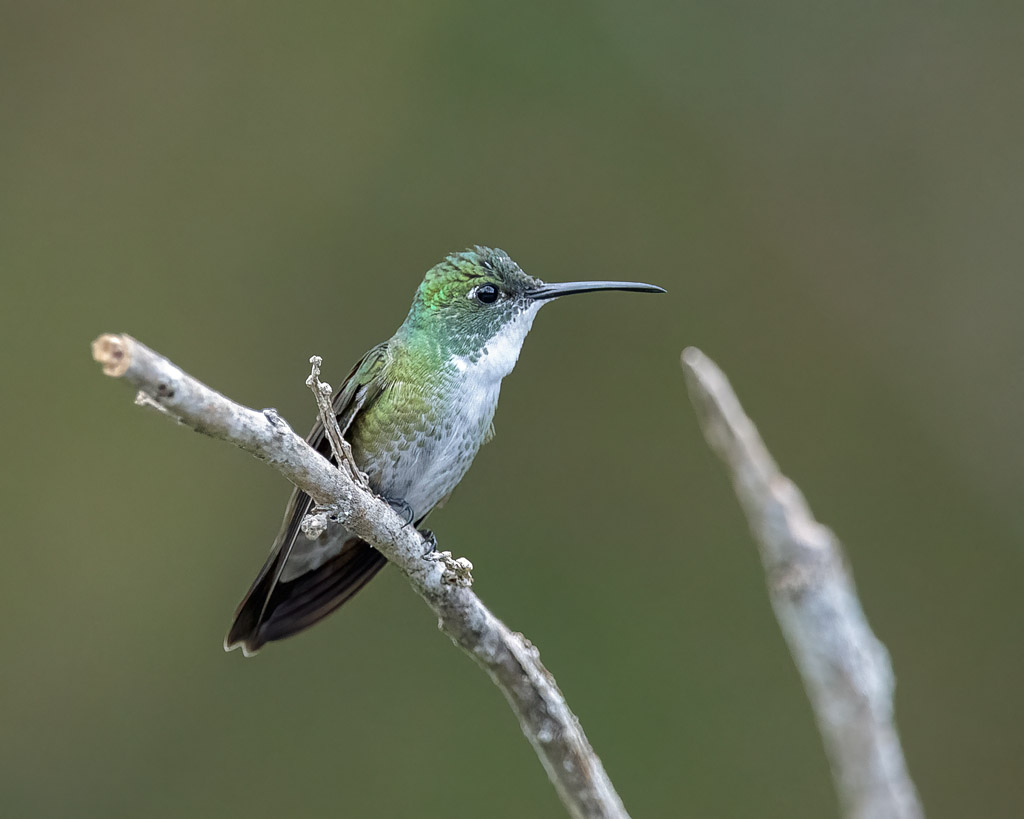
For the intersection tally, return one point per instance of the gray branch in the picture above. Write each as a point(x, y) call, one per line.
point(512, 662)
point(845, 669)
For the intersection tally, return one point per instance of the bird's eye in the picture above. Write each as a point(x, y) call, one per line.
point(487, 294)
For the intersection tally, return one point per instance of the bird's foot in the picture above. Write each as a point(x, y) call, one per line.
point(431, 540)
point(402, 507)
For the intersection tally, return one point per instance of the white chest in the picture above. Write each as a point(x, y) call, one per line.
point(468, 416)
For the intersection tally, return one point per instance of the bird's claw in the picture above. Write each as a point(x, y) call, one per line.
point(431, 540)
point(403, 508)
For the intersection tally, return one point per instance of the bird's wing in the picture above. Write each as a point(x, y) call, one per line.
point(359, 391)
point(273, 609)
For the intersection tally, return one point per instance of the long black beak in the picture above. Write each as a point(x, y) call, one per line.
point(553, 291)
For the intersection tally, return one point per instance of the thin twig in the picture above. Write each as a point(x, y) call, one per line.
point(339, 446)
point(511, 661)
point(846, 670)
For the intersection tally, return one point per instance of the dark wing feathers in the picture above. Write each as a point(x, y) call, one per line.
point(272, 609)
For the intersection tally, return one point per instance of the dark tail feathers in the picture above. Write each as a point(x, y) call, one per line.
point(273, 610)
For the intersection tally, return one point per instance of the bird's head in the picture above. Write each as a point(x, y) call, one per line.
point(478, 303)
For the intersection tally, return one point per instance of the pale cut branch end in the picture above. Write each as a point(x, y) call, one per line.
point(114, 353)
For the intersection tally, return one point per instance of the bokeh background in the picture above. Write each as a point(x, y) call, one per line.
point(832, 194)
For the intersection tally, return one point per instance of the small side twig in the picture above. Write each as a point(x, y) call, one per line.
point(143, 400)
point(845, 669)
point(339, 446)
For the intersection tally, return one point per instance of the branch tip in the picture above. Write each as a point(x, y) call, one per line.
point(693, 357)
point(114, 353)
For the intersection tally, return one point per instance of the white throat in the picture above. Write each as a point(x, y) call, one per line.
point(501, 352)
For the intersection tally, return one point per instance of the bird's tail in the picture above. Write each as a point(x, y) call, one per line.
point(274, 608)
point(273, 611)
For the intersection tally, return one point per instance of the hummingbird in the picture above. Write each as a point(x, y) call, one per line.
point(415, 409)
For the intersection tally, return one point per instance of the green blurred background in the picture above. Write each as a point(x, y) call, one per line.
point(832, 194)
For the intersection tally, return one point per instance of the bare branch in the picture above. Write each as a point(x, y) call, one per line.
point(845, 669)
point(509, 658)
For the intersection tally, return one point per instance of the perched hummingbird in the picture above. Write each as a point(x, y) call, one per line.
point(415, 409)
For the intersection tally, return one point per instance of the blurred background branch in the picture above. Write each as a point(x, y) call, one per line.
point(512, 662)
point(845, 668)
